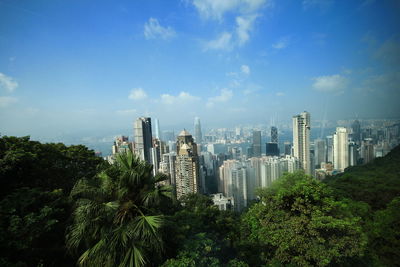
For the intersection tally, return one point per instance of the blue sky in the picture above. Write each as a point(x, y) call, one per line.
point(87, 65)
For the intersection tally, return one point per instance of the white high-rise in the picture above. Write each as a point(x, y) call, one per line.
point(341, 149)
point(301, 140)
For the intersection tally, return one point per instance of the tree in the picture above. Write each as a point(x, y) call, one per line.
point(298, 222)
point(116, 219)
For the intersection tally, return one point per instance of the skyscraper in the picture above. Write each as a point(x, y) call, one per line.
point(301, 140)
point(319, 152)
point(274, 134)
point(143, 138)
point(186, 166)
point(197, 131)
point(256, 143)
point(356, 132)
point(341, 149)
point(157, 129)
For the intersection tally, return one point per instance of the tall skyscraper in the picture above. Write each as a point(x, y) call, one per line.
point(186, 166)
point(329, 148)
point(272, 149)
point(197, 131)
point(301, 140)
point(356, 132)
point(288, 148)
point(256, 143)
point(157, 129)
point(143, 138)
point(341, 149)
point(274, 134)
point(319, 152)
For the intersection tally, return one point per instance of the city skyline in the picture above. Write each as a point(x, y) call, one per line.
point(64, 69)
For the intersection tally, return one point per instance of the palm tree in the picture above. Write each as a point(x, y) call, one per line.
point(116, 221)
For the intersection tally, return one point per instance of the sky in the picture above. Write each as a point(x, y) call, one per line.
point(85, 65)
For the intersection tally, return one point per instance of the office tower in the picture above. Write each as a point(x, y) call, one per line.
point(288, 148)
point(256, 143)
point(198, 137)
point(186, 166)
point(301, 140)
point(143, 138)
point(157, 129)
point(319, 152)
point(274, 134)
point(356, 131)
point(329, 148)
point(353, 154)
point(272, 149)
point(367, 150)
point(233, 179)
point(341, 149)
point(121, 145)
point(167, 166)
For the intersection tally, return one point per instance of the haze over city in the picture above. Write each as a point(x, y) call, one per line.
point(90, 67)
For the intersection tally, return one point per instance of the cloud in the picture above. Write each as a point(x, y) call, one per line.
point(334, 83)
point(137, 94)
point(7, 83)
point(281, 43)
point(388, 83)
point(245, 13)
point(6, 101)
point(280, 94)
point(244, 26)
point(389, 52)
point(153, 30)
point(223, 42)
point(182, 98)
point(224, 96)
point(215, 9)
point(245, 69)
point(126, 112)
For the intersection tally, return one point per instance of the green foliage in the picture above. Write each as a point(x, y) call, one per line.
point(198, 251)
point(384, 235)
point(375, 183)
point(299, 222)
point(25, 163)
point(116, 219)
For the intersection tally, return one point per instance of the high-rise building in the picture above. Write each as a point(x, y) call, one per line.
point(341, 149)
point(301, 140)
point(356, 131)
point(256, 143)
point(274, 134)
point(329, 148)
point(367, 150)
point(186, 166)
point(157, 129)
point(319, 152)
point(288, 148)
point(143, 138)
point(272, 149)
point(198, 137)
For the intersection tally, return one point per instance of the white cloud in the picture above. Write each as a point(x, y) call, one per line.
point(280, 94)
point(244, 26)
point(215, 9)
point(126, 112)
point(281, 43)
point(334, 83)
point(153, 30)
point(245, 13)
point(224, 96)
point(223, 42)
point(7, 83)
point(6, 101)
point(182, 98)
point(137, 94)
point(245, 69)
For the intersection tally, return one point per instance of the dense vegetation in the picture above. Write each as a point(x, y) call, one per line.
point(61, 206)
